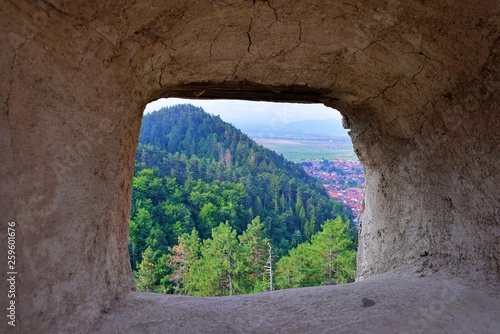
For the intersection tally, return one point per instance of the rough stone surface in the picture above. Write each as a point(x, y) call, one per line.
point(417, 82)
point(378, 305)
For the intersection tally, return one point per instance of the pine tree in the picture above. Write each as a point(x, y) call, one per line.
point(330, 258)
point(252, 258)
point(334, 249)
point(214, 273)
point(139, 230)
point(146, 275)
point(291, 270)
point(181, 258)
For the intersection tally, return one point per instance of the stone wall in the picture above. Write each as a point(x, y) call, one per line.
point(417, 82)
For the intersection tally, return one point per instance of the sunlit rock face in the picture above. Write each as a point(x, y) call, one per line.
point(417, 82)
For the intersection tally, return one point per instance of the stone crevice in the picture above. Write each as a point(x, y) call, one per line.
point(185, 26)
point(160, 77)
point(430, 58)
point(366, 47)
point(167, 50)
point(238, 64)
point(353, 55)
point(298, 43)
point(416, 74)
point(248, 33)
point(212, 43)
point(274, 10)
point(249, 36)
point(334, 81)
point(382, 92)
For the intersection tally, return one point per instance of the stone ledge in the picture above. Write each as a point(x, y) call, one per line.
point(387, 303)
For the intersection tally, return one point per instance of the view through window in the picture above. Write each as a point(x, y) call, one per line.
point(234, 197)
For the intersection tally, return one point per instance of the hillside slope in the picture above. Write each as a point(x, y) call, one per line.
point(194, 170)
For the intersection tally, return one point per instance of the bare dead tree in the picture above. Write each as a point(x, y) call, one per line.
point(269, 267)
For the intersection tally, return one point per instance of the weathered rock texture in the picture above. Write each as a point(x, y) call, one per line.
point(378, 305)
point(418, 83)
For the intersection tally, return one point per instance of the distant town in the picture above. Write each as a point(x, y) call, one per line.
point(344, 181)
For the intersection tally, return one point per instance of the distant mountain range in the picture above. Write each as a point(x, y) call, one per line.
point(327, 126)
point(332, 127)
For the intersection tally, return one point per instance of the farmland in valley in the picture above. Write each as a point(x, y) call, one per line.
point(299, 149)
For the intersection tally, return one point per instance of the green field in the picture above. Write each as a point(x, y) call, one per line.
point(311, 149)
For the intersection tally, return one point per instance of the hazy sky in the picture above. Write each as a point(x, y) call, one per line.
point(246, 112)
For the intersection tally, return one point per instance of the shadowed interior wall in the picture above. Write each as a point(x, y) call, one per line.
point(417, 83)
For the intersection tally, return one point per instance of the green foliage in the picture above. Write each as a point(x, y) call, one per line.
point(180, 260)
point(176, 209)
point(193, 172)
point(330, 258)
point(147, 275)
point(214, 274)
point(224, 264)
point(252, 258)
point(139, 230)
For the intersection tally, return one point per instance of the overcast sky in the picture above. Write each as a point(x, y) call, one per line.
point(240, 112)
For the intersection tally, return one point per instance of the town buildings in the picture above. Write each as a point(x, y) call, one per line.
point(344, 181)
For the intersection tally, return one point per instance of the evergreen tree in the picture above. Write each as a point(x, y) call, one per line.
point(291, 270)
point(330, 258)
point(181, 258)
point(335, 254)
point(139, 230)
point(214, 274)
point(252, 258)
point(147, 277)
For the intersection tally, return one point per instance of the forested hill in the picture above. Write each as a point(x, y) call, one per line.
point(195, 171)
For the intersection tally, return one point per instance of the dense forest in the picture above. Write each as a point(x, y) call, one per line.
point(212, 211)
